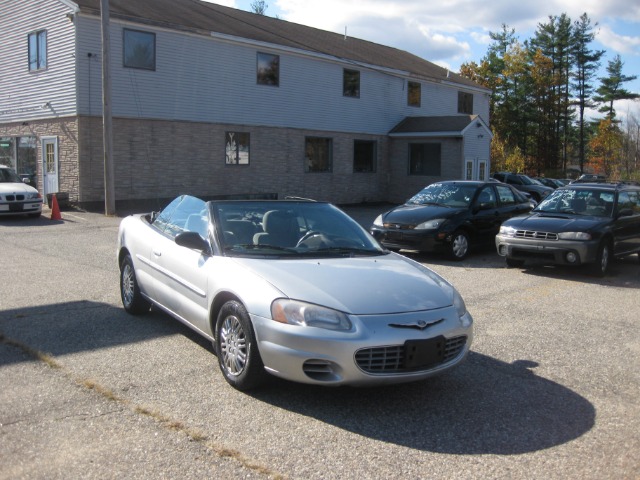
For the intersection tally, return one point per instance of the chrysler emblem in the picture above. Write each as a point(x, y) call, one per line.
point(420, 324)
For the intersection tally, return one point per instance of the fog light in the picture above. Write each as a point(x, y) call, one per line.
point(571, 257)
point(503, 250)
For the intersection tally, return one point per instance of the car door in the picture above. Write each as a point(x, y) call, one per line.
point(627, 228)
point(485, 218)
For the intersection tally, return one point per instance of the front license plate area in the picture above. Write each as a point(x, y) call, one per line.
point(15, 207)
point(423, 353)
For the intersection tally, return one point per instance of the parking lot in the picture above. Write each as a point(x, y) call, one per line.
point(550, 389)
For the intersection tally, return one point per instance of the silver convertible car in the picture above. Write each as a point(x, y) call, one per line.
point(292, 288)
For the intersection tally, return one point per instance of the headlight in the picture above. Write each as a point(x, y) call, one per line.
point(574, 236)
point(431, 224)
point(508, 231)
point(378, 221)
point(33, 195)
point(458, 302)
point(309, 315)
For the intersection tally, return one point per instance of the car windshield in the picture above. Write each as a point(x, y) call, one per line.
point(453, 195)
point(528, 180)
point(9, 176)
point(283, 229)
point(596, 202)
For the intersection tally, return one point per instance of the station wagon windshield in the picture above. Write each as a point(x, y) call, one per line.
point(592, 202)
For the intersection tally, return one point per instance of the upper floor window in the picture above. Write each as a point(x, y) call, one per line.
point(351, 83)
point(414, 94)
point(465, 103)
point(38, 50)
point(237, 146)
point(425, 159)
point(268, 69)
point(139, 49)
point(318, 154)
point(364, 156)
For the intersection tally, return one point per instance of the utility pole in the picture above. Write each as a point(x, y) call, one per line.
point(107, 126)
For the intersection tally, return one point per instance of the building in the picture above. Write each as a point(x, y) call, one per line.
point(216, 102)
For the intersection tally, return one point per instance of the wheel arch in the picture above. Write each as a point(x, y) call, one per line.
point(216, 305)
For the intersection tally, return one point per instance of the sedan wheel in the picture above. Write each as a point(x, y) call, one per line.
point(236, 347)
point(459, 245)
point(132, 299)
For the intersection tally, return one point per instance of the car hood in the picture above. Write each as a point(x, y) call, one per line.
point(415, 214)
point(15, 187)
point(555, 223)
point(360, 286)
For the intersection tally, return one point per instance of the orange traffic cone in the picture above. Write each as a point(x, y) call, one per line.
point(55, 210)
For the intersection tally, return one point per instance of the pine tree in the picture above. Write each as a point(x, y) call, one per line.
point(611, 88)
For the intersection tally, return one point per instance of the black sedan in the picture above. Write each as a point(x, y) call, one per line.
point(450, 216)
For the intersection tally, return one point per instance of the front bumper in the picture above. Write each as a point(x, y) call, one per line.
point(423, 241)
point(21, 207)
point(372, 353)
point(560, 252)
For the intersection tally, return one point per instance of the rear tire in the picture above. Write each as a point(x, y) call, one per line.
point(237, 349)
point(459, 248)
point(132, 300)
point(601, 266)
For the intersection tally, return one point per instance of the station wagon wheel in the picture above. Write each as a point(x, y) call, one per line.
point(459, 247)
point(132, 299)
point(237, 350)
point(603, 258)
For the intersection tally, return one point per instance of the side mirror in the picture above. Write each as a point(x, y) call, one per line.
point(192, 240)
point(625, 212)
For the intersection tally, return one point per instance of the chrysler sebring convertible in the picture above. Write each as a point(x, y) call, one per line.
point(292, 288)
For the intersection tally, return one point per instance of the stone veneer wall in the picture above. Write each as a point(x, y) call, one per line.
point(66, 129)
point(161, 159)
point(402, 185)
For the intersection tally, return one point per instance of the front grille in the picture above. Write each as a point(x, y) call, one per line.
point(13, 198)
point(390, 359)
point(536, 235)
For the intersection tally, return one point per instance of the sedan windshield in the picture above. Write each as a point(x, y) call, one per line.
point(289, 228)
point(595, 202)
point(445, 194)
point(9, 176)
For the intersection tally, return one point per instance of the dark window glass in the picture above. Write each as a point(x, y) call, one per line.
point(237, 148)
point(424, 159)
point(414, 94)
point(506, 195)
point(139, 49)
point(268, 69)
point(38, 50)
point(318, 154)
point(351, 83)
point(465, 103)
point(364, 156)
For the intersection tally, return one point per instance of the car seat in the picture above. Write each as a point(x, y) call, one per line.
point(280, 229)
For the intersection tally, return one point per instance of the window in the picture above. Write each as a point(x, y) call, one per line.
point(424, 159)
point(465, 103)
point(506, 195)
point(237, 146)
point(487, 198)
point(38, 50)
point(268, 69)
point(413, 94)
point(364, 156)
point(351, 83)
point(139, 49)
point(318, 154)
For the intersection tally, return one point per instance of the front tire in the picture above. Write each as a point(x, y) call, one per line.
point(132, 300)
point(459, 248)
point(237, 349)
point(603, 259)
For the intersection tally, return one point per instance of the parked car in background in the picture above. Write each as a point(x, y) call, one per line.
point(582, 223)
point(524, 183)
point(16, 197)
point(450, 216)
point(296, 289)
point(590, 178)
point(549, 182)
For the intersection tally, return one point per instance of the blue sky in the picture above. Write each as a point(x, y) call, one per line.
point(452, 32)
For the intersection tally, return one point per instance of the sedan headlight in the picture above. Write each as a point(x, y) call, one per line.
point(431, 224)
point(574, 236)
point(458, 302)
point(33, 195)
point(378, 221)
point(306, 314)
point(508, 231)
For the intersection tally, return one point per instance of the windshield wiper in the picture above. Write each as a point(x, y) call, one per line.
point(349, 251)
point(251, 246)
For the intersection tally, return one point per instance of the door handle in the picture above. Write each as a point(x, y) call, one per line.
point(157, 253)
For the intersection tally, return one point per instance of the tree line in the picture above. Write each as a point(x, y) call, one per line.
point(542, 90)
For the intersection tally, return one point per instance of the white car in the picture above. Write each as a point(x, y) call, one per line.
point(16, 197)
point(292, 288)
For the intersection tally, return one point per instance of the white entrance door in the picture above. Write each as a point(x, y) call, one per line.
point(475, 169)
point(50, 164)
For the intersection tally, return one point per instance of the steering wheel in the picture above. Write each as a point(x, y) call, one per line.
point(310, 234)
